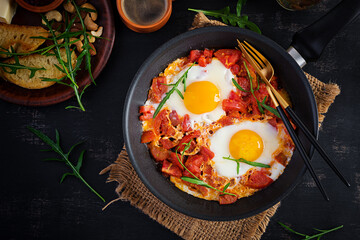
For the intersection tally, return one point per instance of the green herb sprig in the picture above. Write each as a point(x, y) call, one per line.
point(174, 88)
point(64, 157)
point(242, 160)
point(86, 47)
point(307, 237)
point(65, 66)
point(237, 19)
point(196, 180)
point(261, 105)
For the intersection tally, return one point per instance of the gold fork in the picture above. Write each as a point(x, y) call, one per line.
point(264, 68)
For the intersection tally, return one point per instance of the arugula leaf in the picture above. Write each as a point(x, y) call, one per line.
point(194, 181)
point(317, 236)
point(64, 157)
point(238, 86)
point(291, 230)
point(174, 88)
point(260, 107)
point(226, 186)
point(260, 104)
point(180, 94)
point(12, 68)
point(255, 164)
point(272, 110)
point(231, 18)
point(239, 5)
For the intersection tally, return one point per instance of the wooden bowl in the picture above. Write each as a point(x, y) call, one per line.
point(39, 9)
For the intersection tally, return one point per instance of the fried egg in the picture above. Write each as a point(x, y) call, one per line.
point(252, 141)
point(206, 87)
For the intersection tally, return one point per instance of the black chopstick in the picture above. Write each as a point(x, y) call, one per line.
point(314, 142)
point(301, 149)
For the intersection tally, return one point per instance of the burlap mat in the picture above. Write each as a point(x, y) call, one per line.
point(131, 188)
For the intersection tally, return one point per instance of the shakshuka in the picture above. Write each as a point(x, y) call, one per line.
point(210, 125)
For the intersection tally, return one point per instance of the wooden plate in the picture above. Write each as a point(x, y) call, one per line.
point(57, 92)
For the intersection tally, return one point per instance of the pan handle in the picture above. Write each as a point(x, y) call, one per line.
point(308, 44)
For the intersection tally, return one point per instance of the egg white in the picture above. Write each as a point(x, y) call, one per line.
point(220, 141)
point(216, 73)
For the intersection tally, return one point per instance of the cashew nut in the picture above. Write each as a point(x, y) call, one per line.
point(69, 7)
point(53, 15)
point(97, 33)
point(78, 44)
point(93, 15)
point(90, 24)
point(91, 38)
point(92, 49)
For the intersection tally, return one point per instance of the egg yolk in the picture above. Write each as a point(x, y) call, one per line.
point(246, 144)
point(201, 97)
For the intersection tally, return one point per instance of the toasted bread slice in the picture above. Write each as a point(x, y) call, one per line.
point(22, 76)
point(19, 37)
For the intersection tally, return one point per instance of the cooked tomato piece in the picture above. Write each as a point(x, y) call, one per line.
point(147, 109)
point(227, 199)
point(258, 180)
point(186, 125)
point(167, 143)
point(174, 118)
point(159, 153)
point(232, 105)
point(281, 158)
point(202, 57)
point(228, 57)
point(157, 89)
point(162, 125)
point(194, 55)
point(206, 153)
point(202, 61)
point(208, 53)
point(235, 69)
point(175, 159)
point(186, 139)
point(171, 169)
point(234, 114)
point(234, 96)
point(146, 112)
point(244, 84)
point(159, 120)
point(262, 90)
point(193, 164)
point(148, 136)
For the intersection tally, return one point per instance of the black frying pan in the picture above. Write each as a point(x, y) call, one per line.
point(291, 77)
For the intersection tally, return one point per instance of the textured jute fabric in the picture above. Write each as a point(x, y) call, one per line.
point(131, 189)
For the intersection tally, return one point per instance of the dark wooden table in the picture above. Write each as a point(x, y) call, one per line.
point(33, 205)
